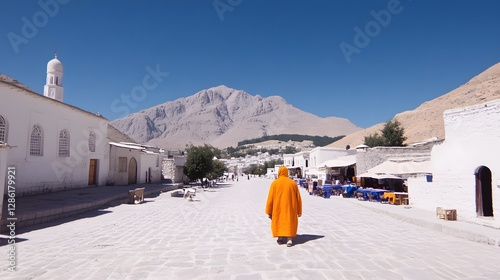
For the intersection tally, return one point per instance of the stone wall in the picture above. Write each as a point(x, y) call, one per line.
point(171, 171)
point(168, 168)
point(366, 159)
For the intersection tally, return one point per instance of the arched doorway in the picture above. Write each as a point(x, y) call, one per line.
point(299, 173)
point(132, 171)
point(484, 198)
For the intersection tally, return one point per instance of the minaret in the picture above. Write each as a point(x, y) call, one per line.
point(53, 87)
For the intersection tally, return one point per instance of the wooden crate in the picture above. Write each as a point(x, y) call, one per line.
point(446, 214)
point(450, 214)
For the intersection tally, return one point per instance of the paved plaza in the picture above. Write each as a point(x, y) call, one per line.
point(226, 235)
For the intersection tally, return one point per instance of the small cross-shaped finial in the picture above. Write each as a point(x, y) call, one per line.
point(55, 54)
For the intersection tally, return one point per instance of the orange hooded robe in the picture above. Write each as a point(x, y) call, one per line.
point(284, 204)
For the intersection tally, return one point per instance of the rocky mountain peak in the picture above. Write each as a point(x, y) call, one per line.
point(223, 116)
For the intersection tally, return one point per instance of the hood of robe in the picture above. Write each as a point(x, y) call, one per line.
point(283, 171)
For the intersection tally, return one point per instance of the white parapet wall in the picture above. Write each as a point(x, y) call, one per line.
point(472, 143)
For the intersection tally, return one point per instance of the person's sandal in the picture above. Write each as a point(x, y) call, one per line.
point(280, 241)
point(289, 243)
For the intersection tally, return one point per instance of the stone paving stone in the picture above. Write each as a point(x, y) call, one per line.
point(253, 276)
point(226, 235)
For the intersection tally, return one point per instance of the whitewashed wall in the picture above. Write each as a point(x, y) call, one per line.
point(472, 140)
point(300, 158)
point(4, 152)
point(319, 155)
point(115, 176)
point(41, 174)
point(288, 159)
point(148, 163)
point(144, 162)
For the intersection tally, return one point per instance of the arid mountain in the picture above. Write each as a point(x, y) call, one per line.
point(222, 117)
point(426, 121)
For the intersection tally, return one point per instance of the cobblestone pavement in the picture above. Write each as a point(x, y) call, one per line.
point(226, 235)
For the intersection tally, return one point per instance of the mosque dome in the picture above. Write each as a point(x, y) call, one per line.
point(54, 65)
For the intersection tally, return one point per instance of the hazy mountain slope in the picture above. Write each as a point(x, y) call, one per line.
point(426, 121)
point(222, 117)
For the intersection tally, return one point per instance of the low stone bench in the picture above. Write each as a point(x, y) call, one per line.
point(136, 195)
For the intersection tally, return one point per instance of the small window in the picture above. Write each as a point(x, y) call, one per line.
point(51, 80)
point(122, 164)
point(64, 143)
point(57, 80)
point(36, 141)
point(3, 130)
point(92, 141)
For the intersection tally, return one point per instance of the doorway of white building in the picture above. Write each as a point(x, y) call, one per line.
point(484, 198)
point(132, 171)
point(93, 172)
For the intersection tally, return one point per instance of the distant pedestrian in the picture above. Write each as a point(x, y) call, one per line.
point(310, 188)
point(284, 207)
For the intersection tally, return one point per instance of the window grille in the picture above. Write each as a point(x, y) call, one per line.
point(92, 141)
point(64, 143)
point(3, 130)
point(36, 141)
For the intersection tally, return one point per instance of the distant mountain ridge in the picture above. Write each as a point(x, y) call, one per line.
point(222, 116)
point(426, 121)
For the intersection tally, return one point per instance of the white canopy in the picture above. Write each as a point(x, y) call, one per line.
point(379, 176)
point(314, 171)
point(339, 162)
point(398, 167)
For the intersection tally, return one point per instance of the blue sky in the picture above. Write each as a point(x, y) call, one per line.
point(361, 60)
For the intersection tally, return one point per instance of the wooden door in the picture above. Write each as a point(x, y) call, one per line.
point(484, 195)
point(93, 172)
point(132, 171)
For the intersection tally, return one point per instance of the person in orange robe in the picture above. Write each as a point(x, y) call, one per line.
point(284, 207)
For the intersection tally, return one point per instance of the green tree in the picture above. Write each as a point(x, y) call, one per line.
point(392, 135)
point(374, 140)
point(218, 169)
point(272, 163)
point(290, 150)
point(199, 161)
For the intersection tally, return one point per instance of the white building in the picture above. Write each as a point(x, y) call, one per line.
point(55, 146)
point(134, 163)
point(319, 158)
point(320, 155)
point(466, 166)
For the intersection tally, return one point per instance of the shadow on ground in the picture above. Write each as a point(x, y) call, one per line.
point(10, 241)
point(303, 238)
point(84, 215)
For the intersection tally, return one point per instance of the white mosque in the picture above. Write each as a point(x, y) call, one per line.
point(53, 145)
